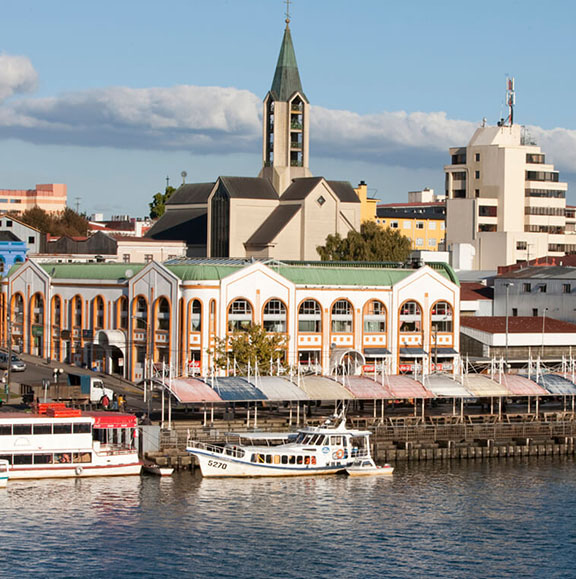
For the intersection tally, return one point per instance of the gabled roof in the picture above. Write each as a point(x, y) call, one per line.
point(302, 187)
point(249, 188)
point(191, 193)
point(542, 273)
point(273, 225)
point(286, 77)
point(344, 191)
point(187, 225)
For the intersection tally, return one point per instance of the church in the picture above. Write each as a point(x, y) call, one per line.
point(285, 212)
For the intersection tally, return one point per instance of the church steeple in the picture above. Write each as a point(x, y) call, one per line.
point(286, 120)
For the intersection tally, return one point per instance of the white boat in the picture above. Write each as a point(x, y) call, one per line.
point(156, 469)
point(367, 467)
point(322, 450)
point(69, 444)
point(4, 473)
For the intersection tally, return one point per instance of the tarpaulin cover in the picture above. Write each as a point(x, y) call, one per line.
point(484, 387)
point(278, 388)
point(321, 388)
point(556, 384)
point(112, 419)
point(235, 389)
point(522, 386)
point(191, 390)
point(446, 387)
point(406, 387)
point(362, 387)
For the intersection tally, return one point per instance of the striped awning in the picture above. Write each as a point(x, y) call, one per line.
point(445, 386)
point(366, 388)
point(406, 387)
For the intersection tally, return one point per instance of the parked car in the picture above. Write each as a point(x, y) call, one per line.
point(16, 364)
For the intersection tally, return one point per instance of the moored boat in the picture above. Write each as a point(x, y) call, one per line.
point(327, 449)
point(156, 469)
point(4, 473)
point(367, 467)
point(68, 443)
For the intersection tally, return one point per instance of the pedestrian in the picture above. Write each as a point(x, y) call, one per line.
point(121, 403)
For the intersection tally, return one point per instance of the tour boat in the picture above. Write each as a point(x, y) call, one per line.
point(68, 443)
point(367, 467)
point(327, 449)
point(4, 471)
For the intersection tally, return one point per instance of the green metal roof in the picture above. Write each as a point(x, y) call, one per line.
point(286, 77)
point(91, 270)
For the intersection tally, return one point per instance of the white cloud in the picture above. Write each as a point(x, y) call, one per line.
point(17, 75)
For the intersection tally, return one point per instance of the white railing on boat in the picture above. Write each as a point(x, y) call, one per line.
point(217, 449)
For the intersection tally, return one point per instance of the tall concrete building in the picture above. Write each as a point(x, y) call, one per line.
point(505, 204)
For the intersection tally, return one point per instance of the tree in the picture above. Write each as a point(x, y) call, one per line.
point(371, 243)
point(158, 205)
point(66, 222)
point(252, 348)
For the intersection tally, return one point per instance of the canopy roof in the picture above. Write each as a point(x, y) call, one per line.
point(322, 388)
point(522, 386)
point(406, 387)
point(364, 387)
point(277, 388)
point(190, 390)
point(446, 387)
point(235, 389)
point(556, 384)
point(483, 387)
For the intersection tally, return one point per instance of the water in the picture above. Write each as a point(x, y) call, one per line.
point(486, 519)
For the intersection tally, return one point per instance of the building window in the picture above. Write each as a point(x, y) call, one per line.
point(514, 312)
point(98, 312)
point(442, 225)
point(375, 317)
point(31, 239)
point(521, 245)
point(8, 223)
point(342, 317)
point(196, 316)
point(566, 288)
point(148, 258)
point(477, 192)
point(542, 288)
point(141, 313)
point(274, 317)
point(419, 225)
point(419, 241)
point(163, 315)
point(476, 174)
point(432, 225)
point(122, 310)
point(321, 200)
point(126, 258)
point(407, 225)
point(394, 224)
point(527, 288)
point(477, 157)
point(535, 312)
point(77, 311)
point(431, 243)
point(239, 316)
point(442, 317)
point(310, 317)
point(410, 317)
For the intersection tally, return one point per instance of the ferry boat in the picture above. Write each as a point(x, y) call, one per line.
point(73, 444)
point(327, 449)
point(4, 470)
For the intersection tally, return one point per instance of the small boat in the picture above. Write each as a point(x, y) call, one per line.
point(156, 469)
point(321, 450)
point(4, 473)
point(367, 467)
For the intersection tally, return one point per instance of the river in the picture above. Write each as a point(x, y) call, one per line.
point(497, 518)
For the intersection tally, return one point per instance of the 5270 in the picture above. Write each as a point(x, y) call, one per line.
point(217, 464)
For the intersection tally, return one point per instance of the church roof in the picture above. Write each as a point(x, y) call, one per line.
point(187, 225)
point(191, 193)
point(302, 187)
point(249, 188)
point(344, 191)
point(274, 224)
point(286, 77)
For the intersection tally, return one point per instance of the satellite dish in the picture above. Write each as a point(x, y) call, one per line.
point(129, 273)
point(183, 175)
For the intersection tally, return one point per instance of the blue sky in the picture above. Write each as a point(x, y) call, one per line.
point(111, 97)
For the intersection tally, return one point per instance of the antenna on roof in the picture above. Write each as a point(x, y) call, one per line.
point(510, 99)
point(167, 182)
point(183, 175)
point(77, 204)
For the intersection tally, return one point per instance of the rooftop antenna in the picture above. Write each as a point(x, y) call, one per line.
point(288, 2)
point(510, 99)
point(167, 182)
point(183, 175)
point(77, 204)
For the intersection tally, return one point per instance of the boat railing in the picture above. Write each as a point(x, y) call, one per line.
point(217, 448)
point(108, 449)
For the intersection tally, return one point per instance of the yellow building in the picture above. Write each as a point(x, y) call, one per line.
point(368, 207)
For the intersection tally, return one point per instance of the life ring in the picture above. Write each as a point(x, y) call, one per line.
point(338, 454)
point(79, 470)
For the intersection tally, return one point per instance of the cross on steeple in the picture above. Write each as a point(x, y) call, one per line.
point(288, 2)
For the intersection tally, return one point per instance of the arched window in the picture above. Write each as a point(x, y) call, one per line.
point(196, 316)
point(98, 312)
point(17, 309)
point(163, 314)
point(76, 311)
point(375, 317)
point(442, 317)
point(37, 309)
point(342, 317)
point(122, 313)
point(141, 313)
point(310, 317)
point(57, 311)
point(274, 316)
point(411, 317)
point(239, 315)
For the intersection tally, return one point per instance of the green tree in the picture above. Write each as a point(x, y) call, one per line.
point(371, 243)
point(158, 205)
point(66, 222)
point(250, 348)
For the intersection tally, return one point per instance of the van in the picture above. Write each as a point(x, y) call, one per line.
point(16, 365)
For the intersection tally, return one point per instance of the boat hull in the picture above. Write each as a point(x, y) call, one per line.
point(372, 471)
point(3, 482)
point(75, 471)
point(213, 465)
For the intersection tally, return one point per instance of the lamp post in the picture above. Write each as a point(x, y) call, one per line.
point(543, 330)
point(56, 375)
point(507, 285)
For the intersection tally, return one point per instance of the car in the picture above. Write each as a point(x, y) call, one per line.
point(16, 364)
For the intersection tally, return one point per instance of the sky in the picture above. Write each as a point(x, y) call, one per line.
point(112, 97)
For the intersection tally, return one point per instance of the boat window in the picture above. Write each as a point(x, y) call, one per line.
point(299, 459)
point(7, 457)
point(22, 429)
point(284, 459)
point(62, 458)
point(306, 460)
point(276, 459)
point(308, 439)
point(22, 459)
point(313, 460)
point(43, 459)
point(268, 459)
point(42, 429)
point(82, 428)
point(291, 460)
point(5, 430)
point(344, 441)
point(336, 440)
point(81, 457)
point(253, 458)
point(62, 429)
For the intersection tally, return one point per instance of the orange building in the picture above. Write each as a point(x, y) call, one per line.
point(51, 197)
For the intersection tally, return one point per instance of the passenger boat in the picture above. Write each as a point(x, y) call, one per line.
point(327, 449)
point(69, 443)
point(4, 470)
point(367, 467)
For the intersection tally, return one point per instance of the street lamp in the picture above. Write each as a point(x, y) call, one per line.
point(507, 285)
point(543, 330)
point(56, 376)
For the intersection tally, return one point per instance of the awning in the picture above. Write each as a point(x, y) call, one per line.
point(278, 388)
point(406, 387)
point(112, 419)
point(556, 384)
point(413, 352)
point(522, 386)
point(322, 388)
point(235, 389)
point(347, 357)
point(191, 390)
point(484, 387)
point(110, 338)
point(376, 352)
point(367, 388)
point(446, 387)
point(443, 352)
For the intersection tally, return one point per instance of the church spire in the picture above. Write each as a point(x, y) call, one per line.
point(286, 77)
